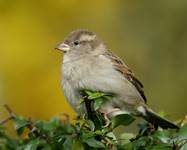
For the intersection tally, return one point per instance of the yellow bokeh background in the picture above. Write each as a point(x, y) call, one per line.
point(151, 36)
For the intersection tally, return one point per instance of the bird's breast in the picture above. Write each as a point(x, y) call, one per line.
point(94, 73)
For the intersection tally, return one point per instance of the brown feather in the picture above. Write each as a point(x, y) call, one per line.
point(128, 74)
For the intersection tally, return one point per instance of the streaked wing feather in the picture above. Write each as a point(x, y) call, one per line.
point(128, 74)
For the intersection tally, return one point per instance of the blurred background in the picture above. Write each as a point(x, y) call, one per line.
point(151, 36)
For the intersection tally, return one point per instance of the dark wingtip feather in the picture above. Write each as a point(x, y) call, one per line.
point(159, 121)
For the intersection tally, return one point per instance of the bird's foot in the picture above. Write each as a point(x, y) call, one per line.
point(108, 115)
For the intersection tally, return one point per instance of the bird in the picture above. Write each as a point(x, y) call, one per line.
point(89, 64)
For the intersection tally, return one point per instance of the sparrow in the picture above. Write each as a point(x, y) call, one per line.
point(89, 64)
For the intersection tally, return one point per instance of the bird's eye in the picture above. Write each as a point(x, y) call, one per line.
point(76, 42)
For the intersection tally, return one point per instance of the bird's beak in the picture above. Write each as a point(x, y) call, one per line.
point(63, 47)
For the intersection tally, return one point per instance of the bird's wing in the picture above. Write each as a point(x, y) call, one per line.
point(128, 74)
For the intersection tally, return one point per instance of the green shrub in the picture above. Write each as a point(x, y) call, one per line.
point(89, 132)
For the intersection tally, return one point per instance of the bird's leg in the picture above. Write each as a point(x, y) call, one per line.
point(107, 115)
point(107, 121)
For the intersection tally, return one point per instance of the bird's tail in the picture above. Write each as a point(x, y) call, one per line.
point(156, 120)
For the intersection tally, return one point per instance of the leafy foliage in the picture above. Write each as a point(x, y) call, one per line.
point(60, 134)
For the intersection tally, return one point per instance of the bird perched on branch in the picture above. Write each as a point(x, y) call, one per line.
point(88, 64)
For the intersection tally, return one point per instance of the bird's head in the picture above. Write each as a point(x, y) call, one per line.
point(81, 42)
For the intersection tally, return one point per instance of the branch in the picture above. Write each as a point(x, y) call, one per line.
point(89, 108)
point(11, 116)
point(94, 116)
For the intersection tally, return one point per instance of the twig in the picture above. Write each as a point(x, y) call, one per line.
point(88, 104)
point(6, 120)
point(11, 116)
point(30, 126)
point(9, 110)
point(92, 114)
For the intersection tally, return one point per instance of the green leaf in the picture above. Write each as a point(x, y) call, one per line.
point(36, 144)
point(11, 143)
point(2, 131)
point(32, 145)
point(141, 142)
point(98, 97)
point(77, 145)
point(21, 123)
point(46, 147)
point(98, 102)
point(68, 144)
point(85, 134)
point(48, 126)
point(99, 132)
point(87, 92)
point(164, 135)
point(126, 137)
point(95, 95)
point(181, 139)
point(111, 136)
point(122, 119)
point(52, 124)
point(183, 131)
point(160, 147)
point(94, 143)
point(184, 147)
point(90, 125)
point(128, 146)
